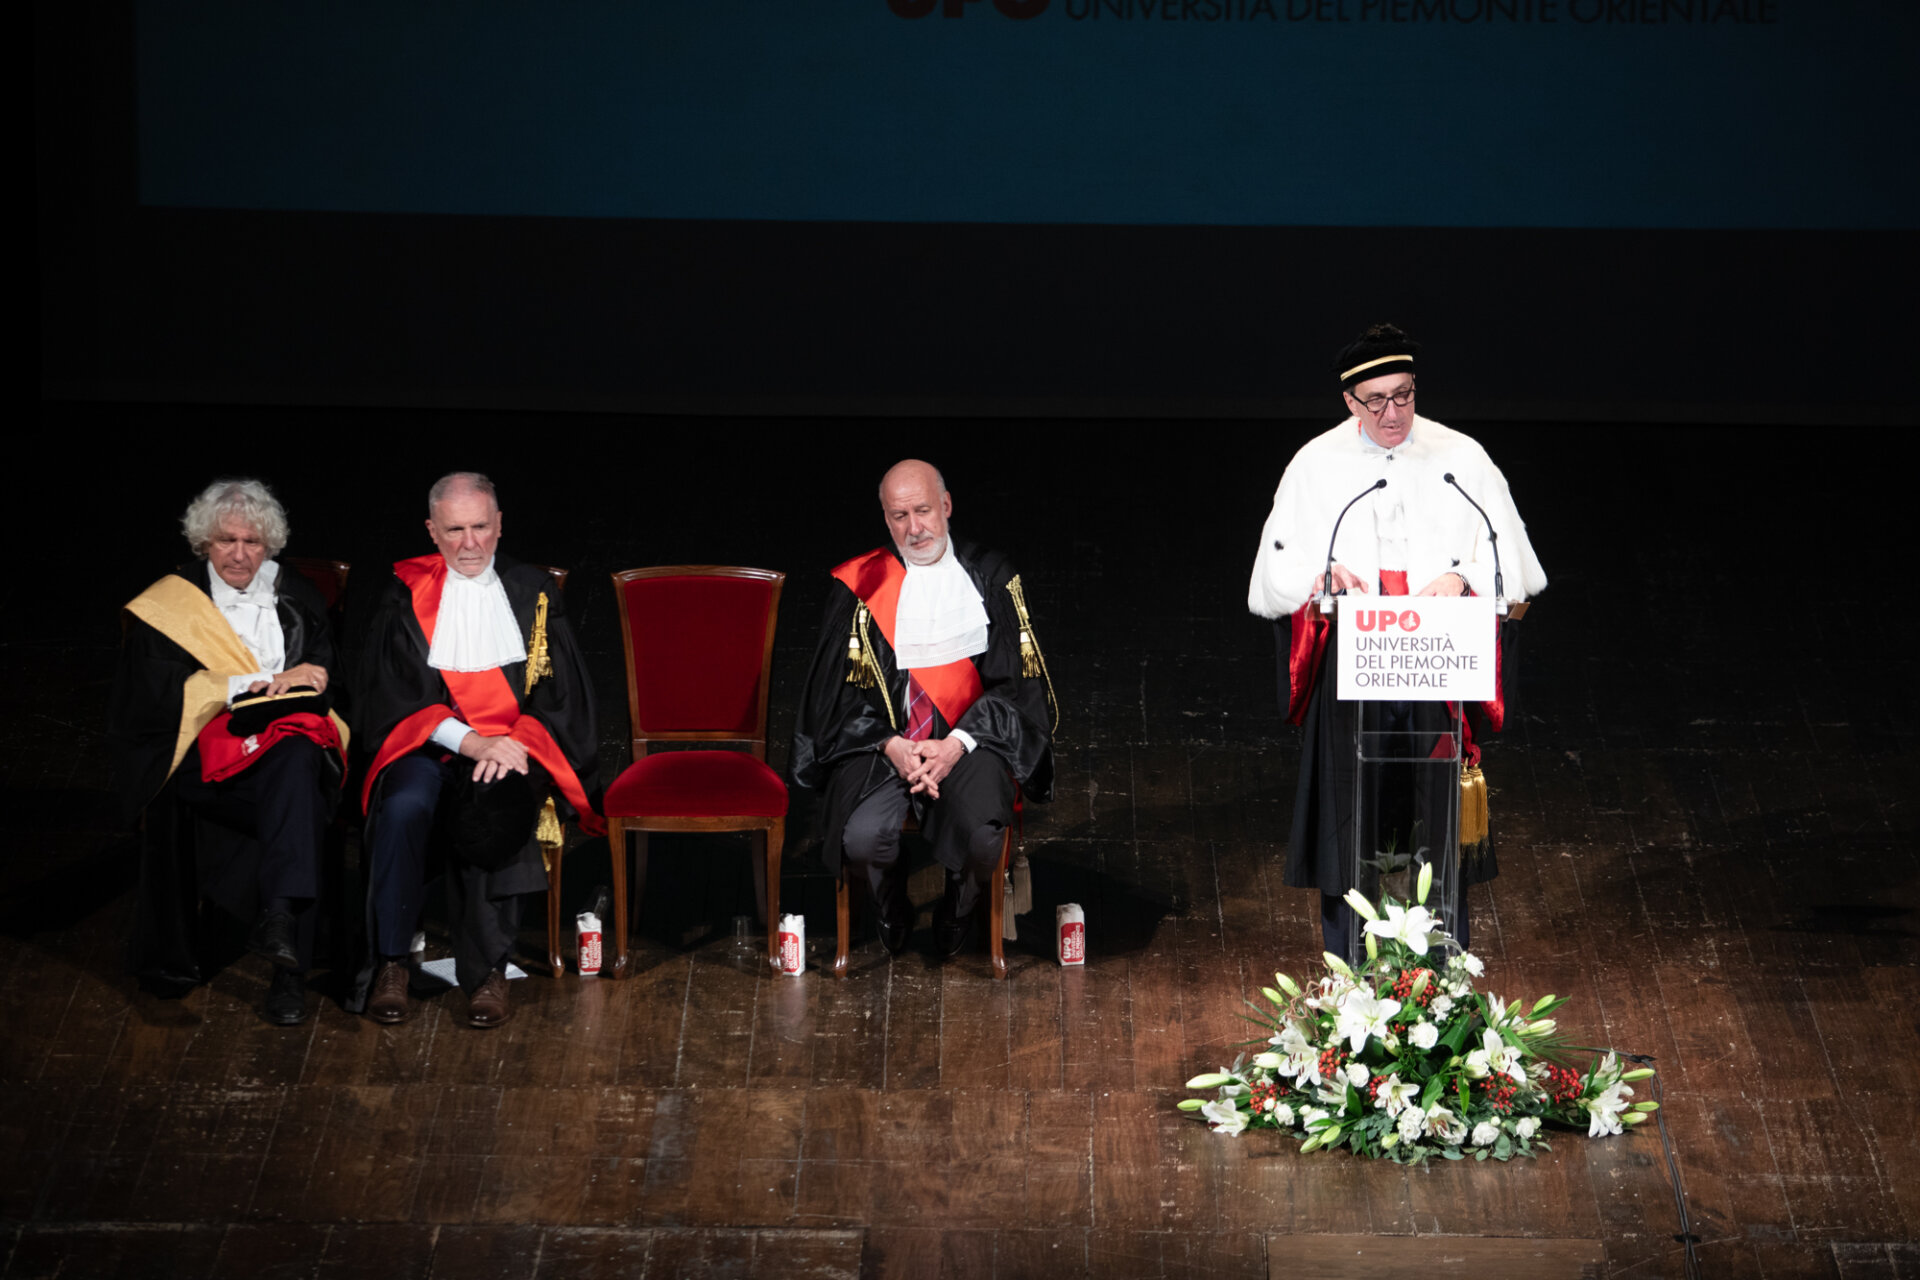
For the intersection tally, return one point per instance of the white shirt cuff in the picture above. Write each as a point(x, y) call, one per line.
point(451, 732)
point(237, 685)
point(964, 738)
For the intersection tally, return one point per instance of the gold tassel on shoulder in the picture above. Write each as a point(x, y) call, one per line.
point(539, 664)
point(1473, 813)
point(1033, 663)
point(860, 671)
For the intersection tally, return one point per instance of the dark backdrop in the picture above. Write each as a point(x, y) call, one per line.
point(164, 304)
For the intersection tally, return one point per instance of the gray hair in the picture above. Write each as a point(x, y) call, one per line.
point(248, 501)
point(455, 480)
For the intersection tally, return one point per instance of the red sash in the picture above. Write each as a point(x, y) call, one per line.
point(876, 578)
point(482, 699)
point(222, 755)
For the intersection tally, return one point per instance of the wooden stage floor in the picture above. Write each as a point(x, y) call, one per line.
point(1706, 828)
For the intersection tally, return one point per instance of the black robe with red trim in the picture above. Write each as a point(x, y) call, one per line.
point(181, 858)
point(396, 682)
point(842, 728)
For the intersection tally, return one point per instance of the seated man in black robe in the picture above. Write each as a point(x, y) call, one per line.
point(475, 700)
point(236, 817)
point(927, 693)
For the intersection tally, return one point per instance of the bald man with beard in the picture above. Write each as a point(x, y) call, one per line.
point(928, 695)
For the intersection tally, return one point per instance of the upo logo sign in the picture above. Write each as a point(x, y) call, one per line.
point(1385, 620)
point(1016, 9)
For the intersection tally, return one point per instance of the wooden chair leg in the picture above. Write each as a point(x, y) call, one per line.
point(553, 854)
point(842, 920)
point(997, 906)
point(617, 845)
point(773, 838)
point(757, 858)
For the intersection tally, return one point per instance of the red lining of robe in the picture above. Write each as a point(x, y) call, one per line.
point(483, 700)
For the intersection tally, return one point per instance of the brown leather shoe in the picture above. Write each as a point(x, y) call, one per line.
point(488, 1007)
point(389, 1003)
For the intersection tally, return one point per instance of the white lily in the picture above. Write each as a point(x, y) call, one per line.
point(1267, 1061)
point(1396, 1095)
point(1363, 1014)
point(1410, 927)
point(1499, 1057)
point(1603, 1110)
point(1224, 1117)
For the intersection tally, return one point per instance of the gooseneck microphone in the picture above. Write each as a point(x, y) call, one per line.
point(1381, 483)
point(1499, 584)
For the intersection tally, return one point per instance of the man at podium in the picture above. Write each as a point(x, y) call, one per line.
point(1386, 502)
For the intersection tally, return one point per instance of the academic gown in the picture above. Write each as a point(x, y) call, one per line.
point(842, 727)
point(1444, 534)
point(396, 682)
point(183, 859)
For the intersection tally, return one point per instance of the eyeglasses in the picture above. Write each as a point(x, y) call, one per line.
point(1377, 404)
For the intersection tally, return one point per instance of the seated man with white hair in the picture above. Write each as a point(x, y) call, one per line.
point(224, 741)
point(475, 699)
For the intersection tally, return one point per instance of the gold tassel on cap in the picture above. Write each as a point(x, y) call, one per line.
point(860, 672)
point(539, 664)
point(1473, 812)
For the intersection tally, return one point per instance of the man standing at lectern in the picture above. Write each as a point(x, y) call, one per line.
point(1413, 531)
point(927, 693)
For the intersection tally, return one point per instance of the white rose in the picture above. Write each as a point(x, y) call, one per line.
point(1484, 1133)
point(1424, 1035)
point(1527, 1126)
point(1357, 1075)
point(1441, 1006)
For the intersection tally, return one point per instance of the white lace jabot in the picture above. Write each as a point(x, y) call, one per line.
point(253, 616)
point(475, 630)
point(940, 616)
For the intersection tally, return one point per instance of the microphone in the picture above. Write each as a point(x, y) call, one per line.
point(1381, 483)
point(1499, 584)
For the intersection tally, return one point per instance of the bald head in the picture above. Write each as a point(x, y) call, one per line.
point(914, 499)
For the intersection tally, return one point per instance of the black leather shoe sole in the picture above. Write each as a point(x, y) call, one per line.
point(272, 937)
point(286, 999)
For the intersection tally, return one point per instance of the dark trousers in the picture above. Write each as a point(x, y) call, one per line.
point(400, 831)
point(965, 826)
point(279, 804)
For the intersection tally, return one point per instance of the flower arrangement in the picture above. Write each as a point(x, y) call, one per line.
point(1402, 1058)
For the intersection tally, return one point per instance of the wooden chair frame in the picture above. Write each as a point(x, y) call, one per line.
point(996, 906)
point(769, 834)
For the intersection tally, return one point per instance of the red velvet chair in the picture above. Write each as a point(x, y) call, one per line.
point(699, 642)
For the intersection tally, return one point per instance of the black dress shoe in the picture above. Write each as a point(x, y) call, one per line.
point(286, 999)
point(272, 937)
point(891, 902)
point(894, 936)
point(951, 930)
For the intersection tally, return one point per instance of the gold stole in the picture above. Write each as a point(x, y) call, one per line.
point(186, 615)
